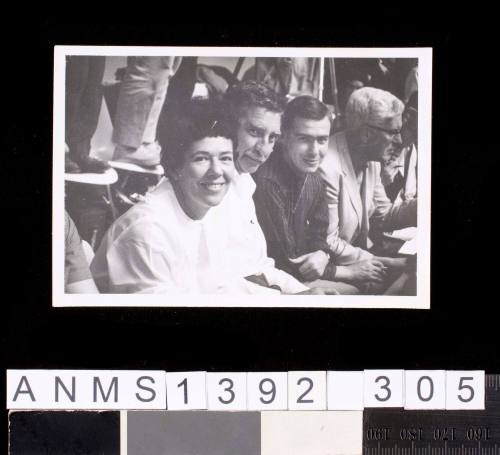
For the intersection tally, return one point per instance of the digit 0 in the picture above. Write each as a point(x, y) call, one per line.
point(419, 389)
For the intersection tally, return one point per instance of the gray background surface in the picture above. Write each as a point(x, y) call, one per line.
point(193, 433)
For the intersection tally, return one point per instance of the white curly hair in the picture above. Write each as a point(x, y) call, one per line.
point(369, 105)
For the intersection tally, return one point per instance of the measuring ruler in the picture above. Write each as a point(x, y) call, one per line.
point(391, 431)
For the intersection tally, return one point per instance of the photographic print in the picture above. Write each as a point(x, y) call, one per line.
point(280, 177)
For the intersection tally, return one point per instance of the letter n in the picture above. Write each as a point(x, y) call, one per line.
point(71, 395)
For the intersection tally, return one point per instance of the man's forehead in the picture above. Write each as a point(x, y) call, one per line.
point(391, 121)
point(262, 117)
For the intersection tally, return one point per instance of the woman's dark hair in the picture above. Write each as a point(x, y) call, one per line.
point(192, 122)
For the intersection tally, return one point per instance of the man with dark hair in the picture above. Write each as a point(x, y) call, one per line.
point(290, 198)
point(257, 110)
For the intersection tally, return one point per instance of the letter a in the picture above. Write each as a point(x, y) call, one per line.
point(28, 389)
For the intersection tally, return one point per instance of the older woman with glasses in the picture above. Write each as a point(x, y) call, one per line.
point(351, 170)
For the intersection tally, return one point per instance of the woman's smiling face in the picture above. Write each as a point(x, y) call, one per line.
point(204, 179)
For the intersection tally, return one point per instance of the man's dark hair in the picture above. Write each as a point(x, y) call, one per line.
point(306, 107)
point(192, 122)
point(245, 95)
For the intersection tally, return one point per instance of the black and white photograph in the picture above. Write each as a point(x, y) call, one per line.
point(253, 177)
point(233, 249)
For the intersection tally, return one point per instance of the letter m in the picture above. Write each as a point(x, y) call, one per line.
point(112, 386)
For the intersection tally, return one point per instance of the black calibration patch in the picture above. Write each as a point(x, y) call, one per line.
point(394, 431)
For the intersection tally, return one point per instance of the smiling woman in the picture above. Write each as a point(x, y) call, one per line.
point(170, 242)
point(198, 158)
point(192, 234)
point(204, 179)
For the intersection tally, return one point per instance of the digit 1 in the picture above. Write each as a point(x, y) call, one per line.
point(185, 385)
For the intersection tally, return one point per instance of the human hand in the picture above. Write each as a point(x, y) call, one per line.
point(392, 263)
point(312, 265)
point(370, 270)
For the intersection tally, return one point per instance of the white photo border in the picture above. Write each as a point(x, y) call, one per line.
point(420, 301)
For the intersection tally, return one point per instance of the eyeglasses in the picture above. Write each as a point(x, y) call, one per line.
point(392, 133)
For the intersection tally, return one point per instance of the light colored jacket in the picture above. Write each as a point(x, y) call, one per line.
point(354, 207)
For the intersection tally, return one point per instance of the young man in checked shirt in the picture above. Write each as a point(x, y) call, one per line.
point(291, 203)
